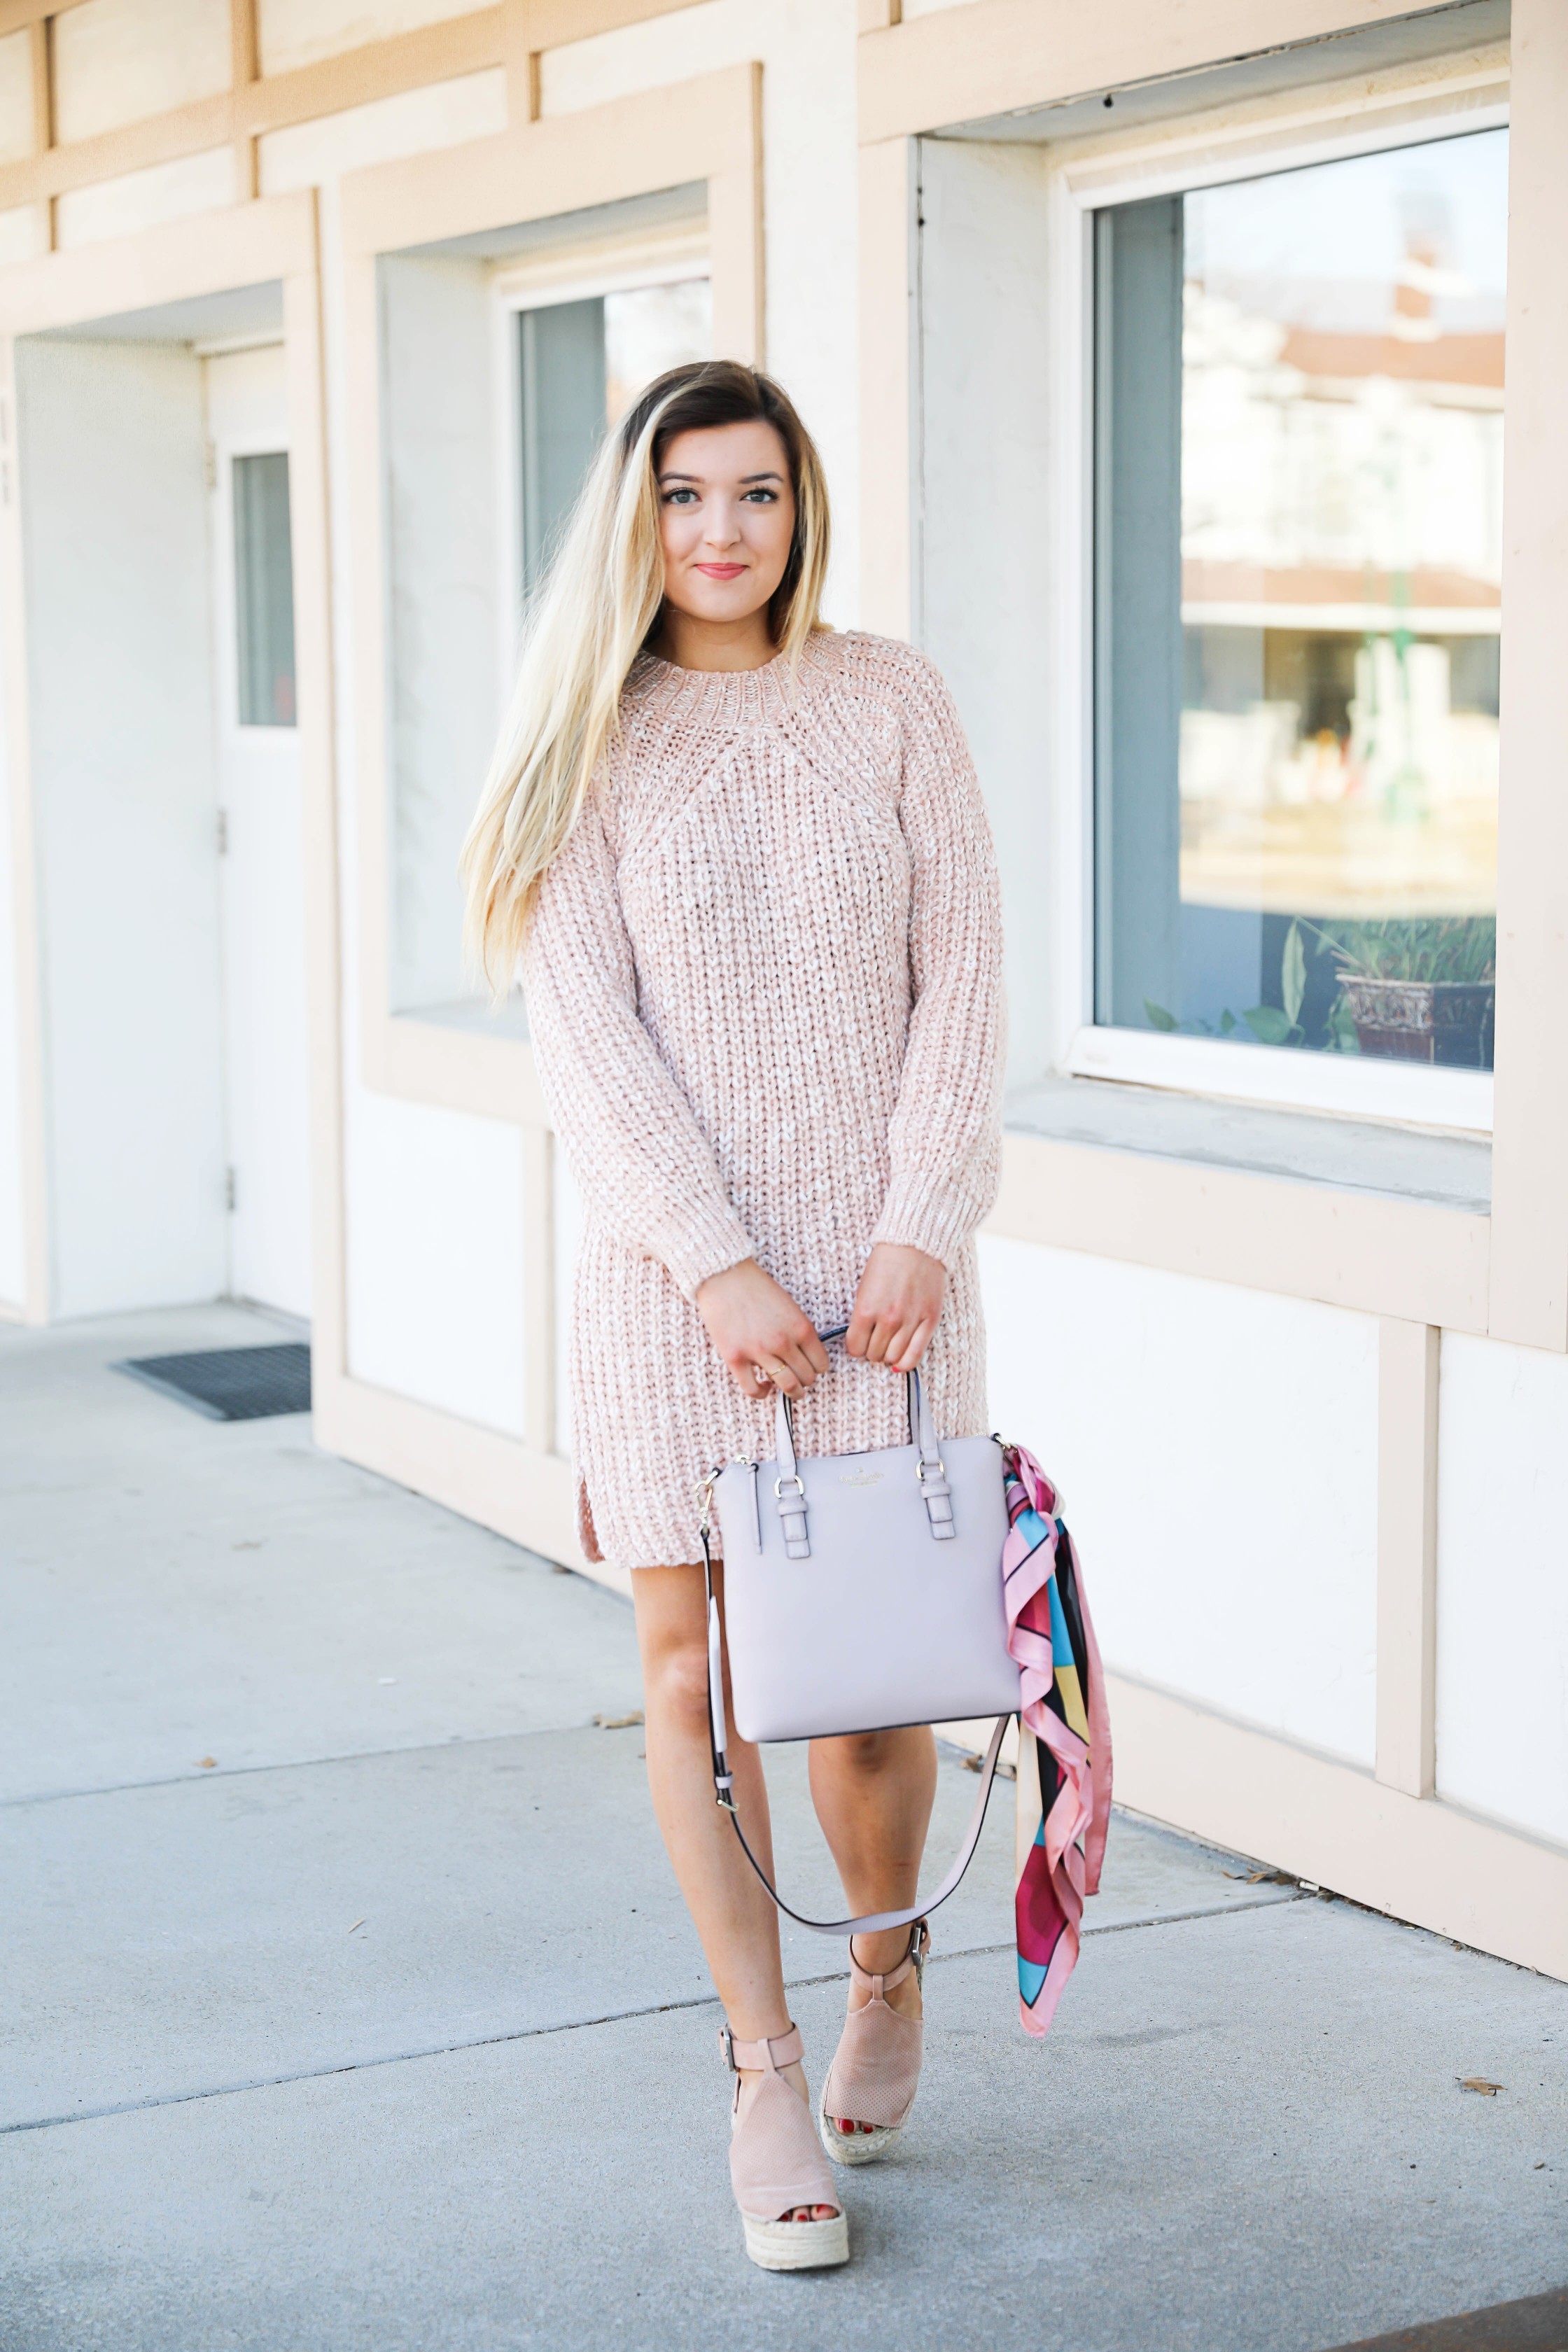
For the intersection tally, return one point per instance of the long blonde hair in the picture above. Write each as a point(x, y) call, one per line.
point(596, 609)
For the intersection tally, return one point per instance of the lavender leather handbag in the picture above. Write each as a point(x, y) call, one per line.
point(862, 1591)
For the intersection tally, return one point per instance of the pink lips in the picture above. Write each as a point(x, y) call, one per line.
point(722, 570)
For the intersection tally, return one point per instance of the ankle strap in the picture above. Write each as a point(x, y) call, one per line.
point(920, 1940)
point(761, 2057)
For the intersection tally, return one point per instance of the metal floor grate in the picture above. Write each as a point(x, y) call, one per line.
point(231, 1384)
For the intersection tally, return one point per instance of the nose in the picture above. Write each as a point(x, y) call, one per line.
point(722, 526)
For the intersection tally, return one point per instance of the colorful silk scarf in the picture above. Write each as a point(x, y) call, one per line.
point(1064, 1738)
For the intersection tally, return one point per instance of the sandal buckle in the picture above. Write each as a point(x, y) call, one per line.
point(727, 2049)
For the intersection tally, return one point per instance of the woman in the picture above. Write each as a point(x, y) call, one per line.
point(745, 863)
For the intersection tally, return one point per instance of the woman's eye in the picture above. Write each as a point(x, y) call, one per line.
point(762, 497)
point(678, 498)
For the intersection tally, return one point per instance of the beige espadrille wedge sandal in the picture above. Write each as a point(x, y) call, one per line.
point(776, 2164)
point(875, 2068)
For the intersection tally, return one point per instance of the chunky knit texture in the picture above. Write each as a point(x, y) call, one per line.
point(764, 986)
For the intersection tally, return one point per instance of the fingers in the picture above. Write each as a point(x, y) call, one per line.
point(906, 1353)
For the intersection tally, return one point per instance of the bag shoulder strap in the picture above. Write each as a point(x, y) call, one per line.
point(869, 1922)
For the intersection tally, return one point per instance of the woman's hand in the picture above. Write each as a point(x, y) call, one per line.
point(757, 1327)
point(896, 1307)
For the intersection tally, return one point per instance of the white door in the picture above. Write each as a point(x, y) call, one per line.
point(261, 833)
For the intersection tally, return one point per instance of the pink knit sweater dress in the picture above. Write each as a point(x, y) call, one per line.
point(765, 987)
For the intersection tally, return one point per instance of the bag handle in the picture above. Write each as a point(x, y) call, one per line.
point(922, 1424)
point(868, 1922)
point(929, 1468)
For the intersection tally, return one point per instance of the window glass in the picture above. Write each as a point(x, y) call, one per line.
point(264, 591)
point(581, 365)
point(1298, 462)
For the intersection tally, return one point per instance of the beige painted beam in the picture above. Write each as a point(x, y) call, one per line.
point(553, 23)
point(736, 241)
point(1360, 1249)
point(994, 57)
point(1427, 1861)
point(561, 164)
point(1407, 1361)
point(887, 379)
point(1530, 1154)
point(244, 65)
point(382, 69)
point(201, 255)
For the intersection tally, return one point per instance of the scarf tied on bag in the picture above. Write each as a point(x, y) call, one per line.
point(1064, 1737)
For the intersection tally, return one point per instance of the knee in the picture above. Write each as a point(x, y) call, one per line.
point(676, 1681)
point(867, 1752)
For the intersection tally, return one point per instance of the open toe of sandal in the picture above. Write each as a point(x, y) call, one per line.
point(875, 2069)
point(776, 2164)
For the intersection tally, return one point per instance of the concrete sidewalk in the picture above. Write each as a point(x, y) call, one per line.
point(384, 2027)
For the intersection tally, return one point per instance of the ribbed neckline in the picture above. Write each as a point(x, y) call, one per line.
point(733, 698)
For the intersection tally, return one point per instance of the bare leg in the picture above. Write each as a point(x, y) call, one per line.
point(735, 1918)
point(874, 1792)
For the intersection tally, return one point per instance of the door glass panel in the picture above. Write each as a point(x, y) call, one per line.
point(264, 591)
point(1299, 419)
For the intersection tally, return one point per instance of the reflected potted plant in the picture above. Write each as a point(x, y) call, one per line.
point(1421, 991)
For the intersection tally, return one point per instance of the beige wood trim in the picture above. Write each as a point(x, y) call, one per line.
point(551, 24)
point(407, 61)
point(876, 16)
point(887, 266)
point(1360, 1249)
point(274, 239)
point(40, 57)
point(995, 56)
point(1425, 1861)
point(498, 1481)
point(1530, 1147)
point(1407, 1366)
point(16, 14)
point(249, 245)
point(736, 247)
point(562, 164)
point(244, 65)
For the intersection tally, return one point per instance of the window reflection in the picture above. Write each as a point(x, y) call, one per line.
point(1340, 425)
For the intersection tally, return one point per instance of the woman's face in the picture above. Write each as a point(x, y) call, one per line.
point(726, 519)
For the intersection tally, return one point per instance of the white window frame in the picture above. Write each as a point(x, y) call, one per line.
point(539, 282)
point(1449, 99)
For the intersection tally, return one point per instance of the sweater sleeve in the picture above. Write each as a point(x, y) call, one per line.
point(946, 1134)
point(644, 1167)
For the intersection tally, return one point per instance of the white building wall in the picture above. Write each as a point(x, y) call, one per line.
point(1502, 1582)
point(125, 814)
point(1217, 1454)
point(13, 1229)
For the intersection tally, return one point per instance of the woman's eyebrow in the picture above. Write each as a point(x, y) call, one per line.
point(761, 477)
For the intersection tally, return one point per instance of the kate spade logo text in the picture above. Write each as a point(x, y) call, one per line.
point(860, 1478)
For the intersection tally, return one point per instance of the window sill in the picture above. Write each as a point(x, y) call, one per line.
point(1346, 1085)
point(474, 1015)
point(1305, 1147)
